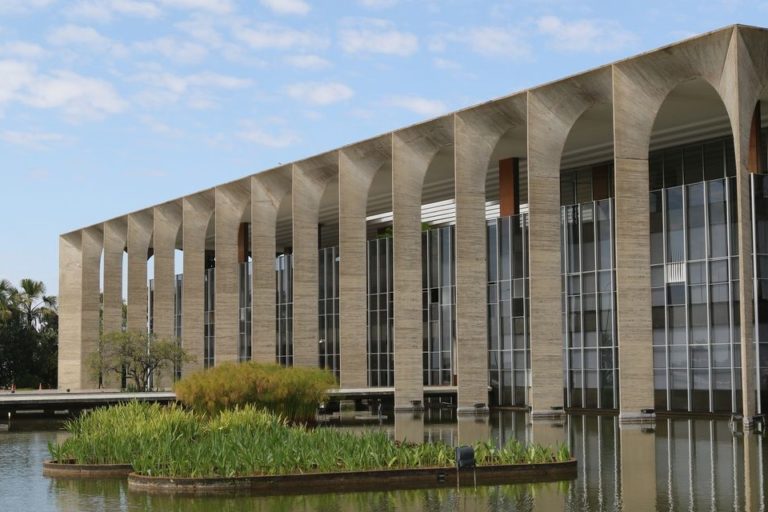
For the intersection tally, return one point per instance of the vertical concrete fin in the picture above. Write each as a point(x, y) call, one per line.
point(358, 166)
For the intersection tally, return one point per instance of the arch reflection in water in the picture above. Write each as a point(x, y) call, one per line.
point(681, 464)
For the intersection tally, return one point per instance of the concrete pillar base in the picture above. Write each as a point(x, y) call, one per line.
point(756, 423)
point(475, 410)
point(548, 414)
point(414, 406)
point(347, 410)
point(636, 418)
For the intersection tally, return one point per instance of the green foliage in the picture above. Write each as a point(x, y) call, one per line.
point(140, 355)
point(28, 335)
point(172, 441)
point(293, 393)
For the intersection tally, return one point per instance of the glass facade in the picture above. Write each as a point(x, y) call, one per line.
point(244, 319)
point(759, 189)
point(284, 308)
point(177, 318)
point(694, 278)
point(328, 309)
point(589, 306)
point(381, 314)
point(209, 320)
point(438, 259)
point(509, 358)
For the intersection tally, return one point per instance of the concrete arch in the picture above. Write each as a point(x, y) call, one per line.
point(552, 112)
point(80, 258)
point(413, 150)
point(268, 192)
point(723, 60)
point(309, 180)
point(197, 213)
point(478, 133)
point(167, 220)
point(140, 227)
point(358, 166)
point(231, 204)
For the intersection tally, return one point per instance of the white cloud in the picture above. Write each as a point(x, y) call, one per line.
point(307, 62)
point(75, 35)
point(419, 105)
point(268, 36)
point(377, 4)
point(287, 6)
point(183, 52)
point(105, 10)
point(160, 127)
point(31, 140)
point(586, 35)
point(22, 49)
point(257, 135)
point(77, 96)
point(446, 64)
point(376, 36)
point(22, 6)
point(318, 93)
point(488, 41)
point(197, 89)
point(212, 6)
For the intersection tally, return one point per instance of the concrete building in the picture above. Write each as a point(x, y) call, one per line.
point(598, 242)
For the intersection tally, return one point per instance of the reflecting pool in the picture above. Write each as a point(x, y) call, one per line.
point(679, 464)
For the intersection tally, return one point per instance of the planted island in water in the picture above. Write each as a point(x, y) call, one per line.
point(175, 442)
point(247, 419)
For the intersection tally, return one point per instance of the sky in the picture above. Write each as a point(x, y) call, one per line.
point(110, 106)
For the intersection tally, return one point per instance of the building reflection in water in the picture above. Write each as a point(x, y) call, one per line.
point(680, 464)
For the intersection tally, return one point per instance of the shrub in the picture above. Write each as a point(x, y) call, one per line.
point(293, 393)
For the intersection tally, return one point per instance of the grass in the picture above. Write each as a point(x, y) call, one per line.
point(172, 441)
point(293, 393)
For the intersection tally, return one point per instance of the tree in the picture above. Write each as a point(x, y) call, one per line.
point(143, 357)
point(29, 325)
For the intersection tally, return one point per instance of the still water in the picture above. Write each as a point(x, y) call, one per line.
point(681, 464)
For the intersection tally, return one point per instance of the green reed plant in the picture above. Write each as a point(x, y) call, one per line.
point(293, 393)
point(173, 441)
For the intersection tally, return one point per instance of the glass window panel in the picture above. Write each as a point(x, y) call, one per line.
point(692, 164)
point(673, 167)
point(657, 227)
point(695, 221)
point(675, 238)
point(713, 160)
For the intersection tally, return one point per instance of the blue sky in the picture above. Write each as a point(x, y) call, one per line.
point(109, 106)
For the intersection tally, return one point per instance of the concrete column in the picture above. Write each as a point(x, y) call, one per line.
point(358, 166)
point(476, 133)
point(638, 467)
point(412, 151)
point(552, 112)
point(114, 249)
point(640, 86)
point(746, 79)
point(79, 258)
point(231, 203)
point(196, 211)
point(167, 221)
point(139, 237)
point(409, 426)
point(309, 181)
point(267, 194)
point(473, 429)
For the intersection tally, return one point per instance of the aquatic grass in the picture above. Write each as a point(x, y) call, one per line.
point(292, 392)
point(173, 441)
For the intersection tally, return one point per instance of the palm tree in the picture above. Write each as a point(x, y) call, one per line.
point(8, 294)
point(32, 302)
